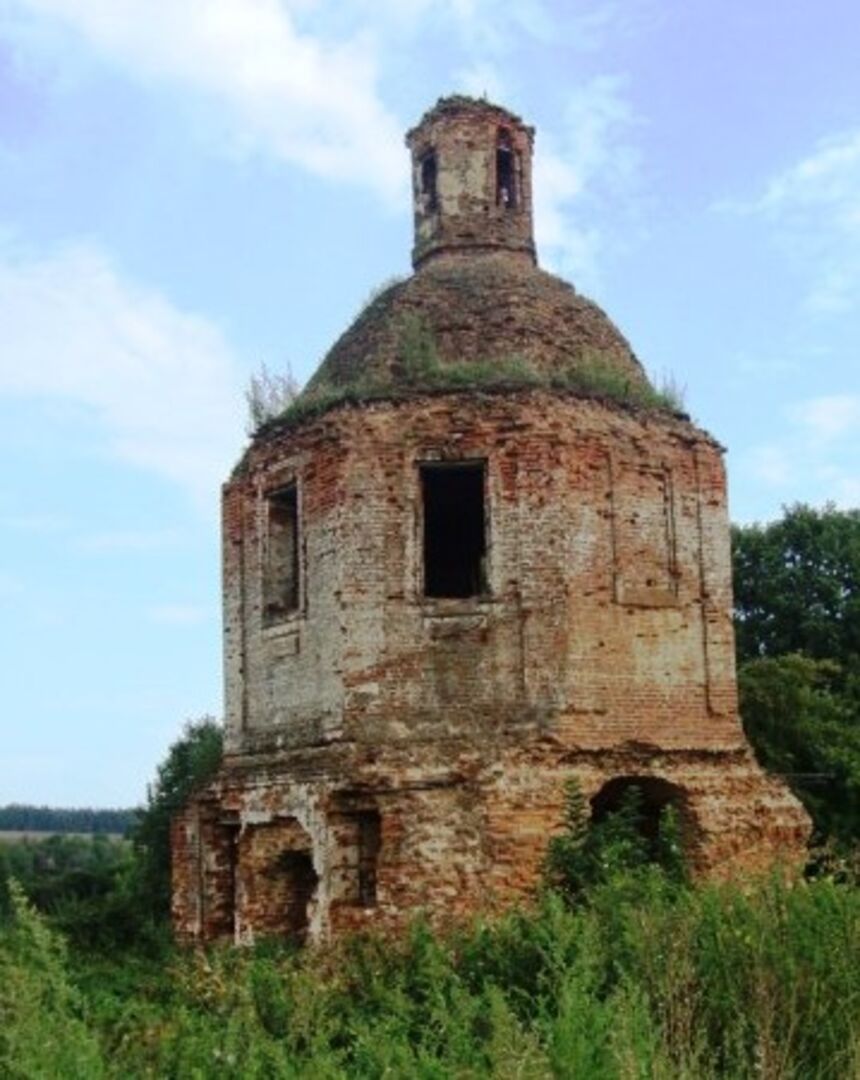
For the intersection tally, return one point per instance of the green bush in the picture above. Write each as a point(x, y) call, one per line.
point(640, 977)
point(588, 853)
point(42, 1028)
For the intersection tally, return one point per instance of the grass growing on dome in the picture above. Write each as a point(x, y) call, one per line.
point(591, 376)
point(424, 368)
point(420, 368)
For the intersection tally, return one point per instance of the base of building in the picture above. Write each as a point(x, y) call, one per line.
point(340, 838)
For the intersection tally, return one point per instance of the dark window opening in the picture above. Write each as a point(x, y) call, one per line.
point(369, 840)
point(506, 173)
point(428, 180)
point(281, 586)
point(455, 544)
point(221, 908)
point(301, 882)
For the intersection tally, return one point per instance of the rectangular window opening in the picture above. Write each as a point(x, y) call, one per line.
point(369, 839)
point(455, 544)
point(428, 180)
point(281, 585)
point(506, 172)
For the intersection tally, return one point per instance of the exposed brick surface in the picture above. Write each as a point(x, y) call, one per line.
point(477, 310)
point(427, 742)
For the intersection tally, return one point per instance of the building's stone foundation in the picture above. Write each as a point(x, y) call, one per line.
point(461, 830)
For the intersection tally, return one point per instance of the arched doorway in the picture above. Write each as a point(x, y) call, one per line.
point(278, 882)
point(651, 796)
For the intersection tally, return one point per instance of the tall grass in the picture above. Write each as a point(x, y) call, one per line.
point(621, 969)
point(646, 977)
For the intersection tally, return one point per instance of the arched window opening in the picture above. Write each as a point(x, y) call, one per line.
point(652, 797)
point(428, 180)
point(506, 172)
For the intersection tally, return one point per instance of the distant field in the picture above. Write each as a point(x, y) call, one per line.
point(13, 836)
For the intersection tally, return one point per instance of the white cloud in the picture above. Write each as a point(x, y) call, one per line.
point(299, 80)
point(162, 383)
point(481, 79)
point(300, 98)
point(498, 26)
point(814, 208)
point(819, 458)
point(589, 157)
point(830, 417)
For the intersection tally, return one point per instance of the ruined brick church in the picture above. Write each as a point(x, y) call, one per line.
point(476, 558)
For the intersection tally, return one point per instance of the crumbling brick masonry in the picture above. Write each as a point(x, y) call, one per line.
point(478, 557)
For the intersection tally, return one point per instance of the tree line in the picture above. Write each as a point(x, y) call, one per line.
point(21, 817)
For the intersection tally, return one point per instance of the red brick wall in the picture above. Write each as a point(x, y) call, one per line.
point(603, 649)
point(608, 615)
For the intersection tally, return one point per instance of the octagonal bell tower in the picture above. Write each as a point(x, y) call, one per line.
point(471, 180)
point(478, 557)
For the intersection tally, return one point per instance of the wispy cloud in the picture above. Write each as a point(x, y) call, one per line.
point(481, 79)
point(813, 208)
point(301, 81)
point(769, 462)
point(498, 26)
point(303, 99)
point(162, 383)
point(830, 417)
point(593, 143)
point(810, 462)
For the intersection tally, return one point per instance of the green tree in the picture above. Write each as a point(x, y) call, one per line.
point(588, 852)
point(190, 763)
point(42, 1028)
point(803, 725)
point(797, 624)
point(797, 586)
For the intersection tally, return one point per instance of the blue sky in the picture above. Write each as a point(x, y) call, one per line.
point(192, 188)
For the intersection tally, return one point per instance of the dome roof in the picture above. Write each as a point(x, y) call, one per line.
point(477, 313)
point(479, 320)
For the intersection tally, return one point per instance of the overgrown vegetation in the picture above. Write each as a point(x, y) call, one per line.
point(797, 619)
point(591, 375)
point(591, 853)
point(422, 369)
point(190, 762)
point(620, 970)
point(268, 395)
point(104, 894)
point(85, 886)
